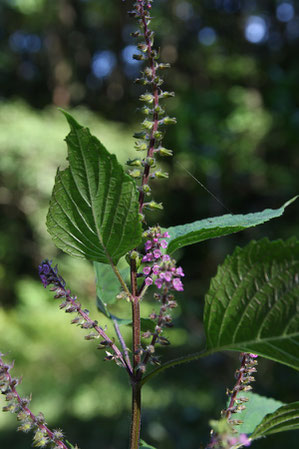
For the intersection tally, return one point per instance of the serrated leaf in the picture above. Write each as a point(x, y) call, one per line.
point(283, 419)
point(253, 302)
point(256, 409)
point(93, 211)
point(210, 228)
point(107, 284)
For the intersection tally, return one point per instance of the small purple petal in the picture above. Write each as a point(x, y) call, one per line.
point(146, 270)
point(166, 235)
point(254, 356)
point(148, 245)
point(164, 244)
point(243, 439)
point(168, 276)
point(157, 253)
point(179, 272)
point(156, 269)
point(148, 281)
point(177, 284)
point(166, 258)
point(159, 283)
point(46, 268)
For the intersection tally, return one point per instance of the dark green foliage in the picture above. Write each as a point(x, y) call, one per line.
point(252, 303)
point(209, 228)
point(94, 207)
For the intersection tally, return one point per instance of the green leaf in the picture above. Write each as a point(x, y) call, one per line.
point(93, 211)
point(252, 303)
point(256, 409)
point(210, 228)
point(144, 445)
point(107, 284)
point(284, 418)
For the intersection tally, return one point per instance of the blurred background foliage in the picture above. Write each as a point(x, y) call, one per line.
point(235, 72)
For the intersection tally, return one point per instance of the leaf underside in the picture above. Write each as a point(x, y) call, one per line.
point(209, 228)
point(93, 211)
point(283, 419)
point(256, 409)
point(253, 302)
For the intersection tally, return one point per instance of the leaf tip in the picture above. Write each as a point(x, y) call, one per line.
point(71, 121)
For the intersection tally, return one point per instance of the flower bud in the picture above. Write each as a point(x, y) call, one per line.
point(134, 163)
point(164, 152)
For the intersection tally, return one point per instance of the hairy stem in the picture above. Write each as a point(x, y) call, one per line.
point(136, 388)
point(136, 415)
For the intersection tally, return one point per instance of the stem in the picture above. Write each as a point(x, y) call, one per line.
point(136, 387)
point(136, 415)
point(118, 275)
point(122, 342)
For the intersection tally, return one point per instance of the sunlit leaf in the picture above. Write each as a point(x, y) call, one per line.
point(94, 206)
point(253, 302)
point(210, 228)
point(256, 409)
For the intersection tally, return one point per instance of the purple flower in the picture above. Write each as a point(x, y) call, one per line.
point(254, 356)
point(157, 253)
point(243, 439)
point(156, 269)
point(164, 244)
point(179, 272)
point(148, 245)
point(148, 281)
point(177, 285)
point(159, 283)
point(166, 258)
point(168, 276)
point(148, 257)
point(166, 235)
point(146, 270)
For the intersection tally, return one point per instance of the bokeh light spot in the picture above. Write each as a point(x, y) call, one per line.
point(103, 63)
point(255, 29)
point(207, 36)
point(285, 12)
point(127, 54)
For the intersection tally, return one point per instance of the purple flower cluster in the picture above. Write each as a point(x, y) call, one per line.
point(163, 271)
point(50, 277)
point(229, 441)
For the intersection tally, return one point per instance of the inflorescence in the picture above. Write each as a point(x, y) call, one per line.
point(43, 436)
point(50, 277)
point(159, 270)
point(150, 138)
point(237, 400)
